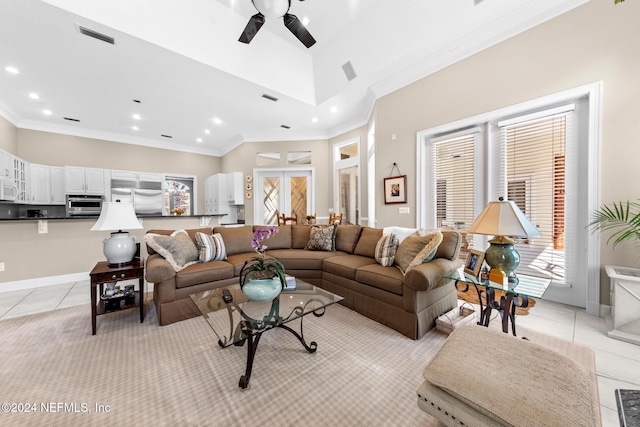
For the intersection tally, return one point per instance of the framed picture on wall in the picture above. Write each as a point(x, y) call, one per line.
point(395, 189)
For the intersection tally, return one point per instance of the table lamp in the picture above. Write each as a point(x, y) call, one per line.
point(503, 219)
point(120, 247)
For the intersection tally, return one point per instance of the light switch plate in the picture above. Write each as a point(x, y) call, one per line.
point(404, 210)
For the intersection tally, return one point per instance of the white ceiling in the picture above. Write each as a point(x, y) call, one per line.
point(182, 61)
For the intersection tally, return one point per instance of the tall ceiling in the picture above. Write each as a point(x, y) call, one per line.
point(179, 66)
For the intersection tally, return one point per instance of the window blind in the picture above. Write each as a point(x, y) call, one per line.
point(530, 169)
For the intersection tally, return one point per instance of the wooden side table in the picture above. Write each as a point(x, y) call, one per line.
point(104, 273)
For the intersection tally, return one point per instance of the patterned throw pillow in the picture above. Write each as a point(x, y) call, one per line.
point(210, 247)
point(386, 249)
point(322, 238)
point(415, 250)
point(178, 248)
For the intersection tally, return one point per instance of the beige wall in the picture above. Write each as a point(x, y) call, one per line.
point(595, 42)
point(243, 158)
point(8, 136)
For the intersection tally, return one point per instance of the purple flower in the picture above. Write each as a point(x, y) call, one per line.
point(260, 235)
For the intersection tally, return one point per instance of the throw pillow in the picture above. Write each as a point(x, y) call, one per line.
point(210, 247)
point(429, 251)
point(178, 248)
point(415, 248)
point(322, 238)
point(386, 250)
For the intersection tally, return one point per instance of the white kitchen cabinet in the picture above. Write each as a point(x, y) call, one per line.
point(136, 176)
point(57, 185)
point(215, 195)
point(40, 184)
point(79, 180)
point(21, 175)
point(6, 164)
point(235, 188)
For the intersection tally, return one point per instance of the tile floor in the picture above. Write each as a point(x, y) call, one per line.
point(617, 362)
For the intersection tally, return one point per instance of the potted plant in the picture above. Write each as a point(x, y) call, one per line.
point(623, 217)
point(262, 278)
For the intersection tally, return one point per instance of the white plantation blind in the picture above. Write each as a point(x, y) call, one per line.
point(454, 166)
point(530, 158)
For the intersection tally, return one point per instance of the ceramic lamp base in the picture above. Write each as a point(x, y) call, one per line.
point(119, 248)
point(503, 256)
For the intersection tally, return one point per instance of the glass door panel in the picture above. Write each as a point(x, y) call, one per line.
point(271, 199)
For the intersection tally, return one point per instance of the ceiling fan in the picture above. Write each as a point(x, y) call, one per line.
point(276, 9)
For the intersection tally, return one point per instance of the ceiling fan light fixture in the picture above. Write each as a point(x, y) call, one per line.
point(272, 8)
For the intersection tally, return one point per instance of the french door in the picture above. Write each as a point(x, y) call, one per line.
point(288, 191)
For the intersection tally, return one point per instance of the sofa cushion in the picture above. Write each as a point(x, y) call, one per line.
point(345, 265)
point(322, 238)
point(366, 245)
point(204, 272)
point(238, 260)
point(386, 278)
point(210, 247)
point(540, 387)
point(385, 250)
point(280, 240)
point(347, 237)
point(300, 259)
point(237, 240)
point(299, 236)
point(417, 249)
point(178, 248)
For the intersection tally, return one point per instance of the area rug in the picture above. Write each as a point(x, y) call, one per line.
point(57, 374)
point(472, 296)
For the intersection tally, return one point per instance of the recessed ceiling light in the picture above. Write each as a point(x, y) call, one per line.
point(207, 131)
point(12, 70)
point(136, 116)
point(134, 127)
point(305, 21)
point(33, 95)
point(217, 121)
point(334, 109)
point(199, 140)
point(46, 112)
point(314, 120)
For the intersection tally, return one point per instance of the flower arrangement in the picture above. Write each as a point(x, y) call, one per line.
point(178, 211)
point(261, 267)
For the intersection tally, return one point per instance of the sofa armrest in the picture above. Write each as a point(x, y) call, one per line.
point(427, 276)
point(158, 269)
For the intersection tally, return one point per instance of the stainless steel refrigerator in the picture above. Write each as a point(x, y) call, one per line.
point(146, 196)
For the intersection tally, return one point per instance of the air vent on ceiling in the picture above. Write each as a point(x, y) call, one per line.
point(96, 35)
point(166, 136)
point(269, 97)
point(70, 119)
point(285, 126)
point(349, 71)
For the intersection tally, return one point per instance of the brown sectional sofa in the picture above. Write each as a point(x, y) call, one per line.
point(407, 303)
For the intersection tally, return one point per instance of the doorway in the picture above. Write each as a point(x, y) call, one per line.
point(288, 191)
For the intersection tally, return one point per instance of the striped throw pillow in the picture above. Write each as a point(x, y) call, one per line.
point(210, 247)
point(386, 249)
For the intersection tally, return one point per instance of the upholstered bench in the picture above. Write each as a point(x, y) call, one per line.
point(483, 377)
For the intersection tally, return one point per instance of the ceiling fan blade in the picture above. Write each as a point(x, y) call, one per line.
point(299, 30)
point(252, 28)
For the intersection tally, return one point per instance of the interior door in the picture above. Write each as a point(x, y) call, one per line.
point(282, 191)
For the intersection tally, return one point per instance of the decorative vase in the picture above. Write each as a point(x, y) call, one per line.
point(262, 289)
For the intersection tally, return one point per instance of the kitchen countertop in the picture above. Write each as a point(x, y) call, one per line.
point(93, 218)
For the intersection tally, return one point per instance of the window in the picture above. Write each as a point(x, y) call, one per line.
point(543, 155)
point(178, 195)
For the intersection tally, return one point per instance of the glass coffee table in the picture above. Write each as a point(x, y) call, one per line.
point(236, 320)
point(504, 299)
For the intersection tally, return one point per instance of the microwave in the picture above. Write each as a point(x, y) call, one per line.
point(8, 189)
point(83, 205)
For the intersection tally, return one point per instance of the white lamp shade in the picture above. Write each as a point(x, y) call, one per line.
point(272, 8)
point(503, 218)
point(117, 216)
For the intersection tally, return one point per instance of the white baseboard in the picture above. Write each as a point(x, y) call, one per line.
point(43, 281)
